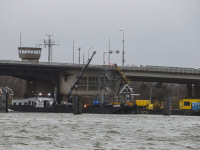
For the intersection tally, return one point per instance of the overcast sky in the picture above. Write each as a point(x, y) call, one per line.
point(156, 32)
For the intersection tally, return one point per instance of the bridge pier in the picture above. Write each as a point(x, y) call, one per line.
point(167, 106)
point(189, 90)
point(197, 90)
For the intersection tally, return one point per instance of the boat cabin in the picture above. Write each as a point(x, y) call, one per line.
point(36, 100)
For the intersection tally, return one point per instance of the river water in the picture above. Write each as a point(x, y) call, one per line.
point(46, 131)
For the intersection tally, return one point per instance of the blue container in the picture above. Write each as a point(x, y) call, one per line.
point(96, 103)
point(193, 106)
point(197, 108)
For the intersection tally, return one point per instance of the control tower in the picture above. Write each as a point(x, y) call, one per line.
point(29, 53)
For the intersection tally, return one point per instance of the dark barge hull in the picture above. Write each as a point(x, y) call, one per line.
point(27, 108)
point(173, 112)
point(94, 110)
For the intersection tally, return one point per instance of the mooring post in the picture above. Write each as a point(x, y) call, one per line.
point(135, 109)
point(77, 105)
point(122, 108)
point(167, 106)
point(4, 101)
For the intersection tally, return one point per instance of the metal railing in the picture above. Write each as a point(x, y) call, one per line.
point(163, 69)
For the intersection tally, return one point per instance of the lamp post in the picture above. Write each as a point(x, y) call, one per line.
point(88, 51)
point(79, 54)
point(117, 51)
point(123, 49)
point(110, 52)
point(104, 56)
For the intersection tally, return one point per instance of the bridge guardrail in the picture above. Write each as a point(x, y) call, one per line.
point(131, 68)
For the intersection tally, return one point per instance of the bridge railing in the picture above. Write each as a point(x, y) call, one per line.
point(162, 69)
point(131, 68)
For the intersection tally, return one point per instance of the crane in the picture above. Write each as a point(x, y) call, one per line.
point(79, 77)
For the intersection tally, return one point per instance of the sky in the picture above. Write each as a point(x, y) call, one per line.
point(156, 32)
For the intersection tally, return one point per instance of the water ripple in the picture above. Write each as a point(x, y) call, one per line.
point(22, 131)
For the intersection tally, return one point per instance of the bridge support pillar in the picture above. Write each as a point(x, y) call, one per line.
point(197, 90)
point(167, 106)
point(189, 90)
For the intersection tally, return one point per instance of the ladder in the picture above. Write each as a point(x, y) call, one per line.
point(126, 80)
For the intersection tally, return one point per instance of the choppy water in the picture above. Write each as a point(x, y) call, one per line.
point(92, 131)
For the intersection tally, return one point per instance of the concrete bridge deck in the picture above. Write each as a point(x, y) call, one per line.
point(43, 76)
point(141, 73)
point(165, 69)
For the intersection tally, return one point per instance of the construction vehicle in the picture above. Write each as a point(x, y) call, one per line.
point(158, 105)
point(78, 78)
point(146, 104)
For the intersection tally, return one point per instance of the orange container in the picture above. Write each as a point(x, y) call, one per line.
point(130, 104)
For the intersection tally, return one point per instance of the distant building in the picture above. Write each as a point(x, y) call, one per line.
point(10, 92)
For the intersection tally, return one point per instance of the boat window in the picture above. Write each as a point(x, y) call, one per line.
point(186, 103)
point(20, 103)
point(14, 103)
point(25, 103)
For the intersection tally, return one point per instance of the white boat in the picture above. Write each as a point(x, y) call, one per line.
point(37, 100)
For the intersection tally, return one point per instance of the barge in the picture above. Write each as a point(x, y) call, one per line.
point(45, 103)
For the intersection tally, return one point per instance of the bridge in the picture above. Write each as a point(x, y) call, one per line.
point(46, 75)
point(163, 74)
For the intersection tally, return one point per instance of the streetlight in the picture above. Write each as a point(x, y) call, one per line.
point(123, 49)
point(104, 56)
point(117, 51)
point(79, 54)
point(88, 51)
point(110, 52)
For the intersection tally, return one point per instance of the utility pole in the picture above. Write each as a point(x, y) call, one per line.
point(20, 40)
point(109, 53)
point(73, 51)
point(83, 57)
point(49, 43)
point(79, 54)
point(123, 49)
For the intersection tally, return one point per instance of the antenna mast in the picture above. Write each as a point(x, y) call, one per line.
point(79, 54)
point(83, 57)
point(49, 43)
point(20, 40)
point(73, 51)
point(109, 53)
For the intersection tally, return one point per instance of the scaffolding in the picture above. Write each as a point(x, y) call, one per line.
point(109, 84)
